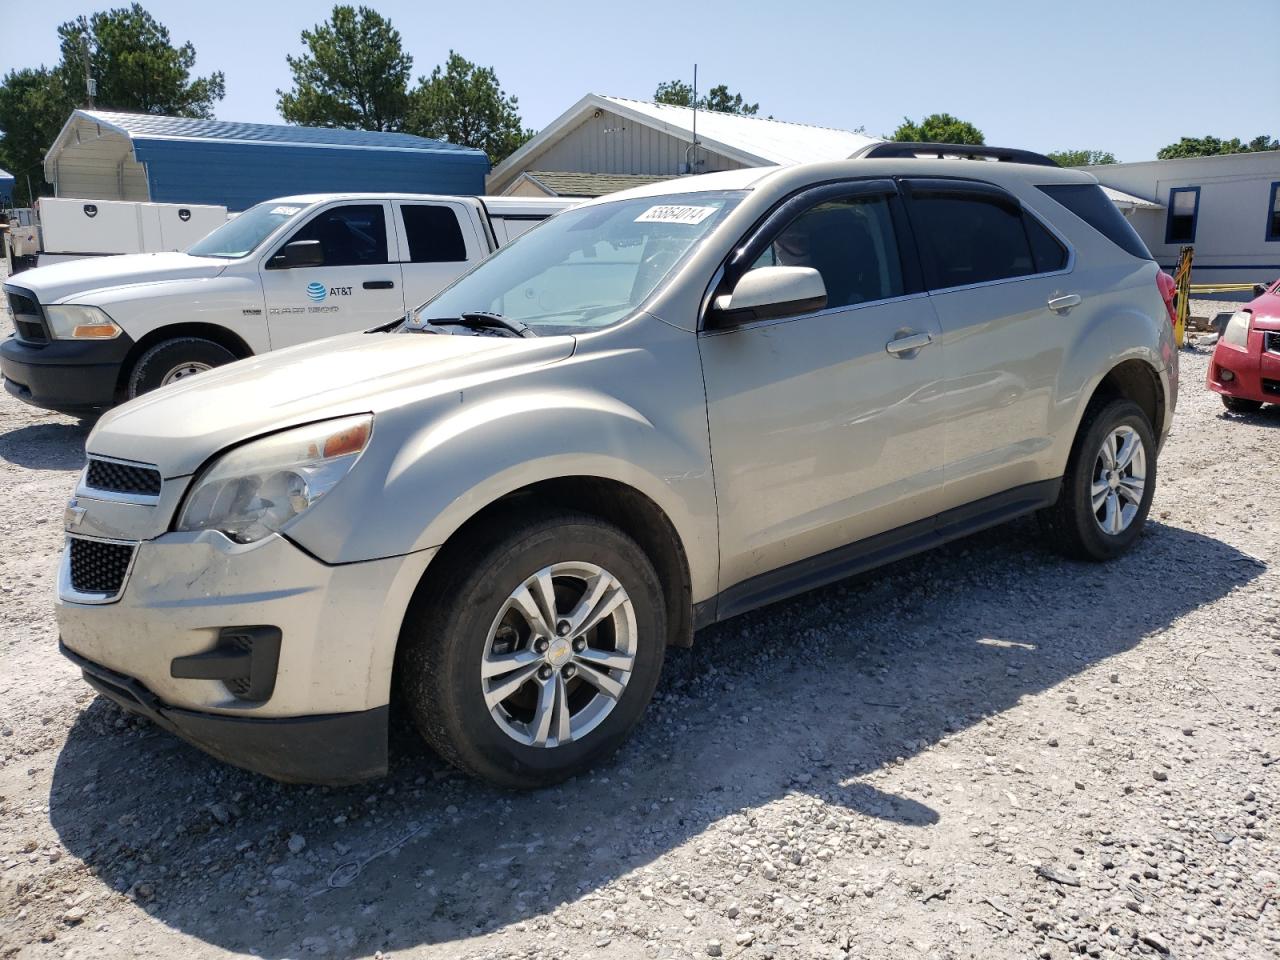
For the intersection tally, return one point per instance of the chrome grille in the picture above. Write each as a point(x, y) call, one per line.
point(1271, 341)
point(28, 318)
point(99, 567)
point(122, 477)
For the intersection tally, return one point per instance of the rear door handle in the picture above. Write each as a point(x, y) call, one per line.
point(379, 284)
point(1064, 302)
point(908, 345)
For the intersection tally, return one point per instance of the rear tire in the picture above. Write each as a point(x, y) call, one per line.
point(173, 360)
point(1107, 489)
point(465, 629)
point(1241, 405)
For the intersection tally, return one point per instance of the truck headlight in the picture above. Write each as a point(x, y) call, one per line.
point(72, 321)
point(258, 488)
point(1237, 331)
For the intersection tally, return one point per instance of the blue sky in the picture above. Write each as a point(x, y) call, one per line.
point(1122, 75)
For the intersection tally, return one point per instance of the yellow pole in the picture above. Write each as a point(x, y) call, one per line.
point(1182, 277)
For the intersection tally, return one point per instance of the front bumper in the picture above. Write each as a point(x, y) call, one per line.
point(185, 592)
point(330, 749)
point(1254, 371)
point(70, 376)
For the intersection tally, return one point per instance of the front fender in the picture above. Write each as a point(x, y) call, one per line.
point(428, 471)
point(232, 302)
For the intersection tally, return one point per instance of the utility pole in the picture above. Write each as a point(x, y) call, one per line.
point(689, 163)
point(90, 85)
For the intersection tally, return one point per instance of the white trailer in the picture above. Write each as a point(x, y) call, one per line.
point(68, 229)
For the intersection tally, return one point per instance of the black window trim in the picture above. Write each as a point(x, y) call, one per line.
point(388, 223)
point(761, 234)
point(1273, 235)
point(960, 186)
point(1195, 215)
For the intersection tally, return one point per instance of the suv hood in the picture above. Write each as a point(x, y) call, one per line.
point(61, 281)
point(180, 426)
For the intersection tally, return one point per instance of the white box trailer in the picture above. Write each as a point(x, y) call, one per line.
point(68, 229)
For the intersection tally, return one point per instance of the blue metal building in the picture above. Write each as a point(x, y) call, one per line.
point(101, 155)
point(6, 188)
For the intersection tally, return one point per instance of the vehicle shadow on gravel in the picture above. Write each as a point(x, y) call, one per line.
point(1268, 416)
point(46, 446)
point(809, 696)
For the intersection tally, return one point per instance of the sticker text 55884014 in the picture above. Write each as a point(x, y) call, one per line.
point(675, 213)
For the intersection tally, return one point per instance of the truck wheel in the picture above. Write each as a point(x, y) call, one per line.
point(533, 653)
point(1240, 404)
point(1108, 486)
point(172, 360)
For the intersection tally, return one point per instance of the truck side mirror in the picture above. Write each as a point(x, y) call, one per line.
point(299, 253)
point(769, 293)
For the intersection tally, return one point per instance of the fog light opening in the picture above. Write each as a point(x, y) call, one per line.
point(1226, 376)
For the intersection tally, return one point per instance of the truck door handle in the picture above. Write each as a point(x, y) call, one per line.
point(907, 345)
point(1064, 302)
point(379, 284)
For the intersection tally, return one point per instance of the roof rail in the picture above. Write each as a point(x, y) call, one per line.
point(948, 150)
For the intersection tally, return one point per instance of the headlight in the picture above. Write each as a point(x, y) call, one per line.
point(260, 487)
point(71, 321)
point(1237, 331)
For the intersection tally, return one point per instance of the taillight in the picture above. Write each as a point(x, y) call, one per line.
point(1168, 287)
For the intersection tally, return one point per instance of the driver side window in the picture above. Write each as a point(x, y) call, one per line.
point(850, 242)
point(352, 235)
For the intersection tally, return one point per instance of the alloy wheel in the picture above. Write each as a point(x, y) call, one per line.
point(559, 654)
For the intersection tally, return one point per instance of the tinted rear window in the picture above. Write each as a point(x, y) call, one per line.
point(434, 234)
point(971, 239)
point(1090, 204)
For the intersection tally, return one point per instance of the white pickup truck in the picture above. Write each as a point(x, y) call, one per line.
point(93, 332)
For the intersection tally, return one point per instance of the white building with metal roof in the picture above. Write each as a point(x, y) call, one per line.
point(1227, 208)
point(613, 135)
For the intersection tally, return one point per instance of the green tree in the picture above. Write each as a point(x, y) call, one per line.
point(1081, 158)
point(718, 98)
point(135, 64)
point(1213, 147)
point(354, 73)
point(33, 108)
point(938, 128)
point(136, 67)
point(464, 104)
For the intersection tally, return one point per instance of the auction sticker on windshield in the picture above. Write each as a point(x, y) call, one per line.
point(673, 213)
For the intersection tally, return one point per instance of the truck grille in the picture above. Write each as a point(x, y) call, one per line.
point(28, 318)
point(1271, 341)
point(122, 477)
point(99, 567)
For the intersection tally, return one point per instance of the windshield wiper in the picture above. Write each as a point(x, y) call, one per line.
point(484, 320)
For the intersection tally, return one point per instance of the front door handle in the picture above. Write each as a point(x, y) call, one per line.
point(379, 284)
point(906, 346)
point(1064, 302)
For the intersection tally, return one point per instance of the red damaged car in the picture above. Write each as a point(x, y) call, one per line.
point(1246, 362)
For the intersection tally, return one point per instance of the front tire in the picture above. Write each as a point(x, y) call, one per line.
point(1110, 480)
point(1240, 404)
point(531, 653)
point(173, 360)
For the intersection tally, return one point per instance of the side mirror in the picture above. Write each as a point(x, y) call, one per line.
point(1260, 288)
point(299, 253)
point(768, 293)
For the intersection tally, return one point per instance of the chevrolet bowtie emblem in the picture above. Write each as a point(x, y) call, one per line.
point(73, 515)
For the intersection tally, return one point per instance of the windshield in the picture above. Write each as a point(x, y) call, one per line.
point(243, 235)
point(585, 268)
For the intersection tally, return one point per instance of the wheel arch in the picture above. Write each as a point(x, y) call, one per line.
point(223, 337)
point(1137, 380)
point(610, 500)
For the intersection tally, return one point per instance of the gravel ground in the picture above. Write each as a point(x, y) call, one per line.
point(986, 751)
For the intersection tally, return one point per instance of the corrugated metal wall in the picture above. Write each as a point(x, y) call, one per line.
point(238, 175)
point(610, 143)
point(100, 166)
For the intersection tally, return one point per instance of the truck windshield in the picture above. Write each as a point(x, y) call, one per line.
point(241, 236)
point(585, 268)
